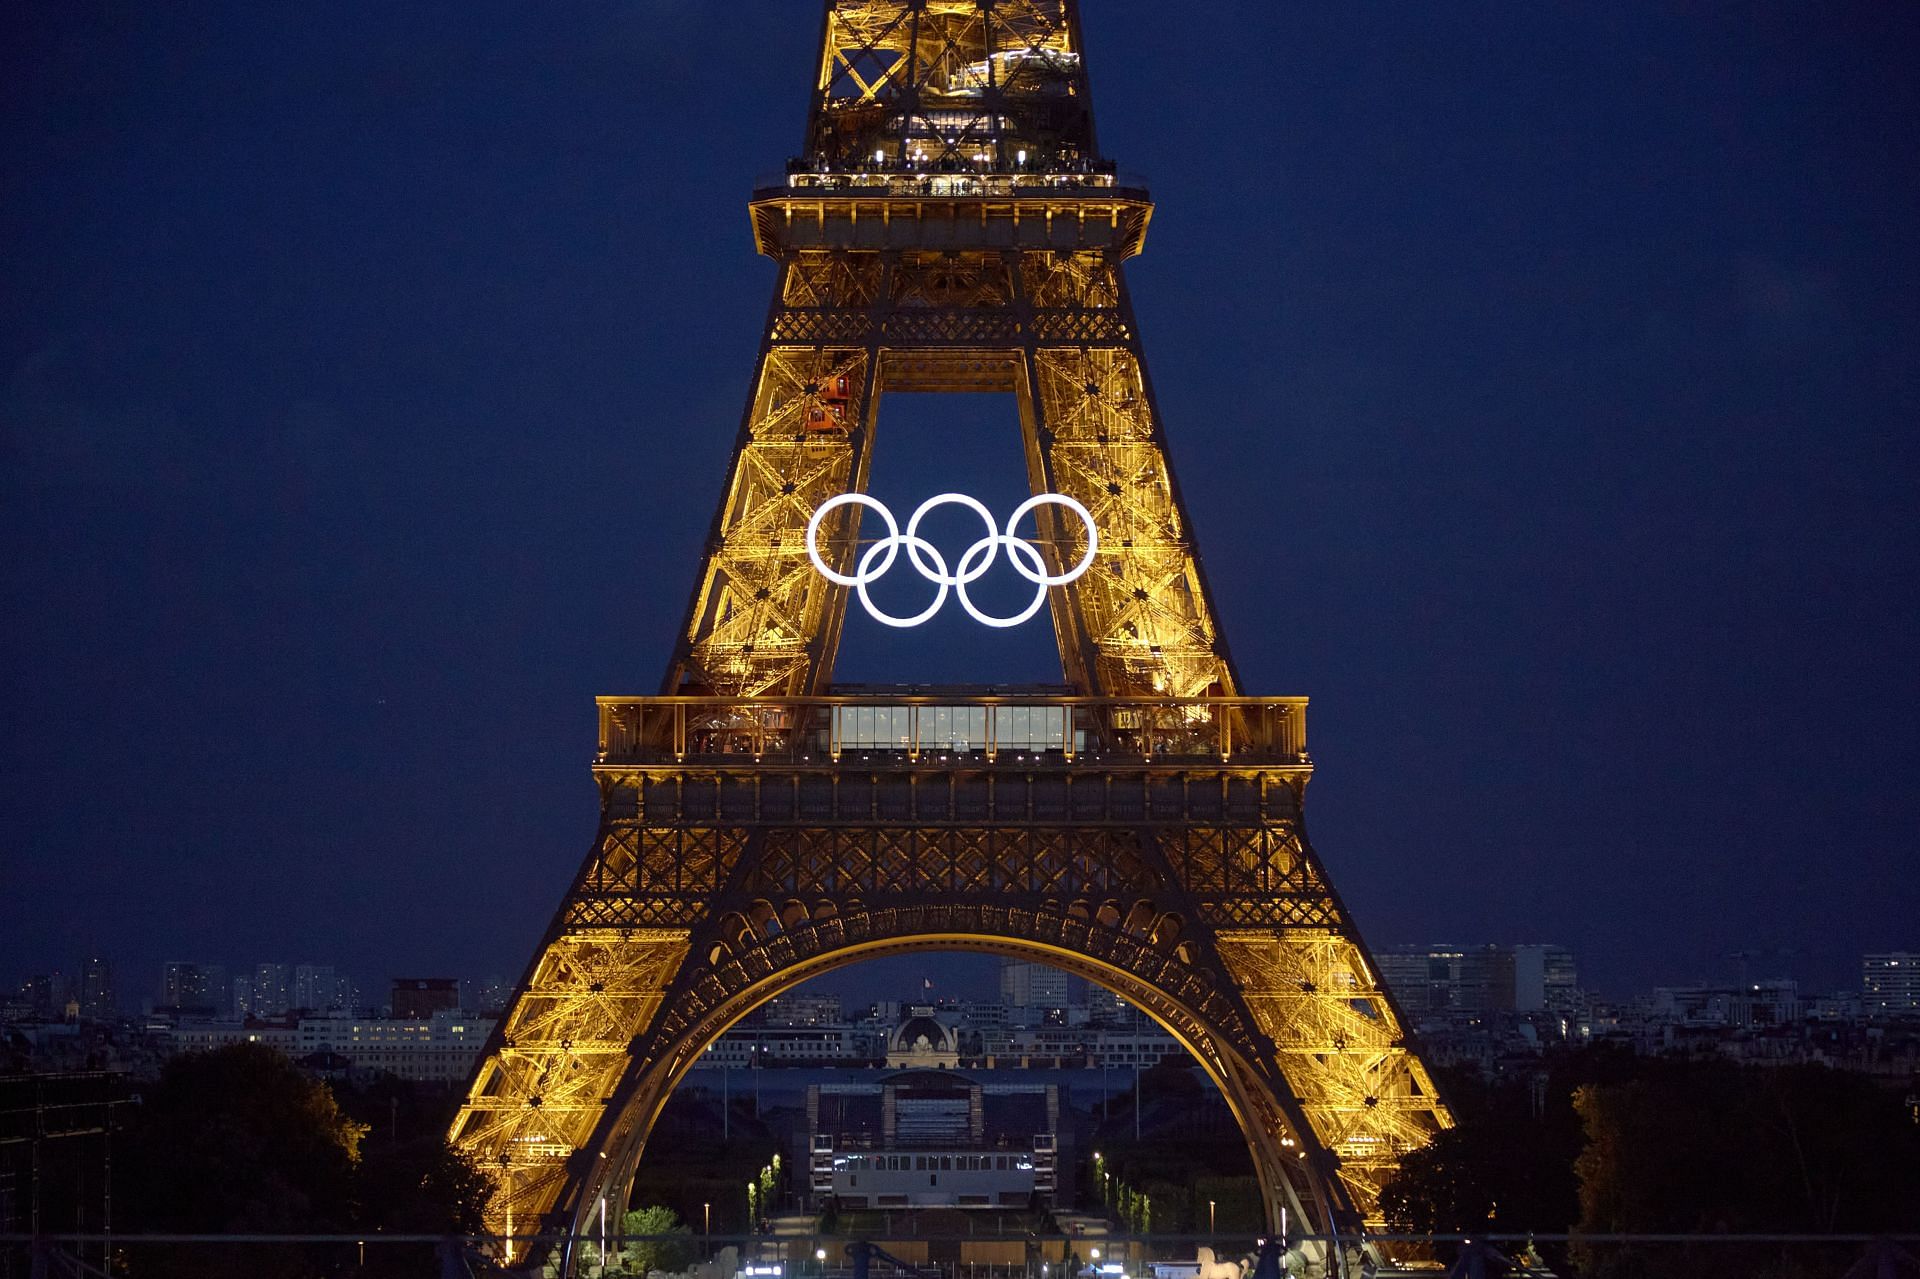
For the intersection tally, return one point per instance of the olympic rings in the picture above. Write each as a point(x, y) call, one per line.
point(932, 565)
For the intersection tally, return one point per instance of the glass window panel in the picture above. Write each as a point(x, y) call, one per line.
point(1056, 717)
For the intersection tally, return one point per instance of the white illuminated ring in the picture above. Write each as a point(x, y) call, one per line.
point(927, 560)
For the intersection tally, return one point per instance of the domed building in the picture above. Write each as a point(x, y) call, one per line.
point(923, 1042)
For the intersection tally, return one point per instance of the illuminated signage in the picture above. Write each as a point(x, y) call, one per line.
point(973, 564)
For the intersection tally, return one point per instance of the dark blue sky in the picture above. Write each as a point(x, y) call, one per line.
point(1541, 378)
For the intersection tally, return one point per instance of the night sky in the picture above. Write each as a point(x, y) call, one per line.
point(1540, 378)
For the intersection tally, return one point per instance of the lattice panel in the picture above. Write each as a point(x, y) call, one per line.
point(794, 327)
point(877, 862)
point(1078, 281)
point(970, 280)
point(823, 278)
point(1143, 607)
point(1369, 1100)
point(560, 1054)
point(943, 81)
point(760, 609)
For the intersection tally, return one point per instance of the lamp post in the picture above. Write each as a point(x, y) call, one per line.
point(1210, 1228)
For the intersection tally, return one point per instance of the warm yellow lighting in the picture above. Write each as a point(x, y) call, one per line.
point(900, 279)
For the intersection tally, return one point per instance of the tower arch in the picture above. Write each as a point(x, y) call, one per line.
point(1280, 1159)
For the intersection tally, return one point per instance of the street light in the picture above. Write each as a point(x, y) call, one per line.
point(1210, 1216)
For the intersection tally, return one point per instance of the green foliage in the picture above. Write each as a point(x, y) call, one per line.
point(237, 1141)
point(1508, 1164)
point(643, 1256)
point(1715, 1148)
point(1604, 1141)
point(422, 1186)
point(241, 1141)
point(767, 1179)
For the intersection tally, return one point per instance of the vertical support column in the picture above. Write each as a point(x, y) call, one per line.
point(1077, 655)
point(760, 620)
point(880, 272)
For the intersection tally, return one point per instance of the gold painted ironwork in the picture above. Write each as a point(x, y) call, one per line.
point(951, 226)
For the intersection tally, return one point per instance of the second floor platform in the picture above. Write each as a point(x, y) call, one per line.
point(924, 727)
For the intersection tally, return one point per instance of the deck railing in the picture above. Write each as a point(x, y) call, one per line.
point(936, 726)
point(921, 183)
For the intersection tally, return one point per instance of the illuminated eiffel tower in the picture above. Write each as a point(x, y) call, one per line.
point(951, 225)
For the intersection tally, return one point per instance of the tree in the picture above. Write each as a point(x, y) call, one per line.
point(642, 1256)
point(1715, 1148)
point(241, 1141)
point(238, 1141)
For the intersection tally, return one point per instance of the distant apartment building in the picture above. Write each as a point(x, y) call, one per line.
point(272, 990)
point(98, 999)
point(1104, 1008)
point(1448, 979)
point(421, 997)
point(494, 992)
point(1742, 1006)
point(442, 1048)
point(1452, 981)
point(319, 988)
point(1545, 979)
point(46, 995)
point(1024, 984)
point(980, 1014)
point(1890, 983)
point(187, 987)
point(764, 1047)
point(801, 1010)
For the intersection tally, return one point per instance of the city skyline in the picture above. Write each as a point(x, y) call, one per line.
point(326, 359)
point(97, 983)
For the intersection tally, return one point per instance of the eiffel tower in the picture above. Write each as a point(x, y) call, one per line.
point(951, 225)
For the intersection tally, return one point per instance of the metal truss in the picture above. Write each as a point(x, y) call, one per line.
point(1055, 328)
point(951, 227)
point(950, 83)
point(558, 1055)
point(1190, 890)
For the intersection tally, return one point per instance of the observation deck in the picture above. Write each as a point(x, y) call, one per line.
point(945, 757)
point(896, 206)
point(907, 730)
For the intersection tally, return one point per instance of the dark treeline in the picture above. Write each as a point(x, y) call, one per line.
point(242, 1141)
point(1601, 1140)
point(1597, 1141)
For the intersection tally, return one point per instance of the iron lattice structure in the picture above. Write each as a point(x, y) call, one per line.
point(951, 226)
